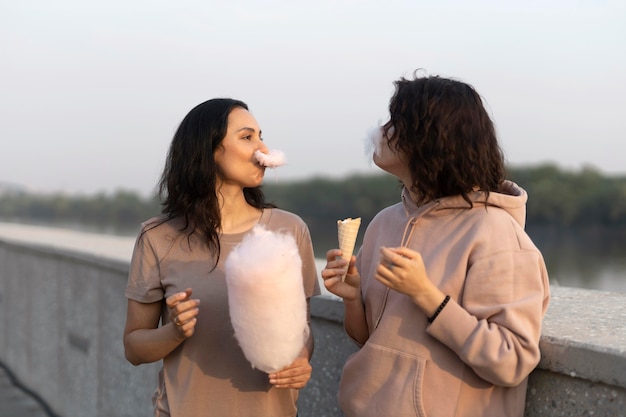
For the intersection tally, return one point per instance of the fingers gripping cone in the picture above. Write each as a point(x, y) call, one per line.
point(347, 231)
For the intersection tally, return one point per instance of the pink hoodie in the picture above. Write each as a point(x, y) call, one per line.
point(475, 358)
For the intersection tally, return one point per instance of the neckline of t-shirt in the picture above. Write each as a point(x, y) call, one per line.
point(236, 237)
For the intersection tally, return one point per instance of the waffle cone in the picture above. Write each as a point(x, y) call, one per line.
point(347, 231)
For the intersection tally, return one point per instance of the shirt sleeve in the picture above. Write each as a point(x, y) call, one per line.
point(144, 282)
point(309, 270)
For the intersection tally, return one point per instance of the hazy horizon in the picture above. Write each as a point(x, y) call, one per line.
point(92, 93)
point(270, 178)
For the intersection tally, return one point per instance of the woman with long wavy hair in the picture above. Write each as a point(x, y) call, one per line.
point(178, 308)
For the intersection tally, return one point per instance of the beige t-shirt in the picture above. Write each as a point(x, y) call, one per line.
point(208, 375)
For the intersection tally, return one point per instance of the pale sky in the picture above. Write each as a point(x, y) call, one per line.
point(92, 92)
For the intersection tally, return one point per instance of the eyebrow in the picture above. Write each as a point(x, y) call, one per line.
point(249, 129)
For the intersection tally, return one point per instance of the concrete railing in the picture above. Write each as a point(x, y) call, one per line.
point(62, 312)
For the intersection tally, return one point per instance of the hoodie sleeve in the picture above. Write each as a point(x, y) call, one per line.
point(496, 327)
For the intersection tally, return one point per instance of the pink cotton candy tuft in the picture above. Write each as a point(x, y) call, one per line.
point(373, 140)
point(266, 298)
point(272, 159)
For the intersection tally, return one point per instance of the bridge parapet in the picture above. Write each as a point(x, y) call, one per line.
point(62, 312)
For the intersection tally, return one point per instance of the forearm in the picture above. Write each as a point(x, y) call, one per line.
point(151, 345)
point(309, 345)
point(355, 323)
point(497, 328)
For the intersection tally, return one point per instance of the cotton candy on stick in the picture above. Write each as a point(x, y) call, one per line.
point(266, 298)
point(272, 159)
point(347, 231)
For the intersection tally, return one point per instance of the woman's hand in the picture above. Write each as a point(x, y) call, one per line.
point(348, 289)
point(403, 270)
point(295, 375)
point(183, 312)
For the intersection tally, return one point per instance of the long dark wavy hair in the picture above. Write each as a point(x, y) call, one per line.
point(444, 131)
point(187, 187)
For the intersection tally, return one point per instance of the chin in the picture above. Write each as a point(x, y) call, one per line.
point(256, 183)
point(377, 162)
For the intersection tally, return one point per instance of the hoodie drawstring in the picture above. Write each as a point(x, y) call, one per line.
point(409, 228)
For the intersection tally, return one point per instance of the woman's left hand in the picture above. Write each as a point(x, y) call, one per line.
point(294, 376)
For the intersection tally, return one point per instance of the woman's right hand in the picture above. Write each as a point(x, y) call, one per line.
point(183, 312)
point(348, 289)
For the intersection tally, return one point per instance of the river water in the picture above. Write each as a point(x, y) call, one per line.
point(600, 273)
point(584, 259)
point(591, 259)
point(574, 259)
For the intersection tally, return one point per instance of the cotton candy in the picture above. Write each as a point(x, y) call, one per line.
point(266, 298)
point(373, 140)
point(272, 159)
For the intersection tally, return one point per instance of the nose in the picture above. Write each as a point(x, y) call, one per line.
point(262, 147)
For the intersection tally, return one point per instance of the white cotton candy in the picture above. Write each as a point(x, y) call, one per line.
point(373, 141)
point(266, 298)
point(272, 159)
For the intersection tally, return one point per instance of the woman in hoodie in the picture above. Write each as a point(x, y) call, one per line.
point(447, 294)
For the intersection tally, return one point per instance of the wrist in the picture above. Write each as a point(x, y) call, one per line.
point(352, 302)
point(439, 309)
point(429, 301)
point(178, 336)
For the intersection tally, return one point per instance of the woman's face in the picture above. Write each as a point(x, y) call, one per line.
point(235, 157)
point(387, 158)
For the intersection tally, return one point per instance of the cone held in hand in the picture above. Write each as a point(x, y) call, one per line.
point(347, 231)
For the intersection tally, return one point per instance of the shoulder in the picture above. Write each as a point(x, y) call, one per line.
point(391, 210)
point(152, 222)
point(493, 217)
point(498, 226)
point(158, 224)
point(160, 229)
point(283, 221)
point(279, 218)
point(384, 216)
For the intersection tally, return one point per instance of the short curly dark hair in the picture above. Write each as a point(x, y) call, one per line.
point(446, 135)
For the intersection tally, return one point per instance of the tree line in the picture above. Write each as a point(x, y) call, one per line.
point(557, 198)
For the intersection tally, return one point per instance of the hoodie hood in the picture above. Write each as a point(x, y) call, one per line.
point(509, 197)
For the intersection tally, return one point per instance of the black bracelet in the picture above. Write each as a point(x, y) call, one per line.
point(441, 306)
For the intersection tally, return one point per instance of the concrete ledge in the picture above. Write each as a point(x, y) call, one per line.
point(584, 335)
point(553, 394)
point(62, 312)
